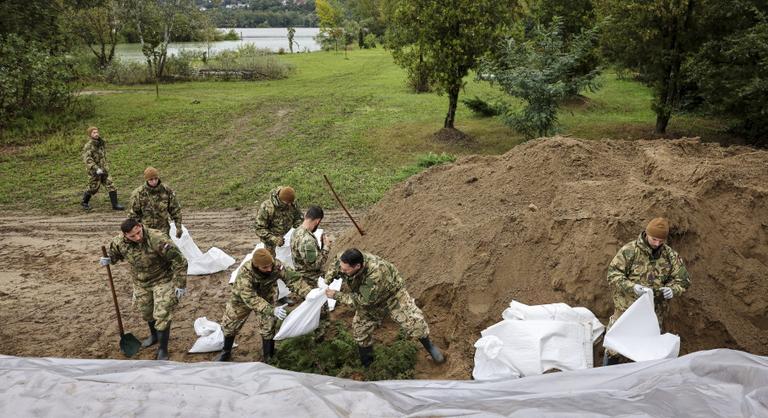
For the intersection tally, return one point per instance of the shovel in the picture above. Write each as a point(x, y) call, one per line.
point(129, 344)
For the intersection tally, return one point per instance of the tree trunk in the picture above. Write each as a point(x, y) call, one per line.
point(453, 100)
point(662, 120)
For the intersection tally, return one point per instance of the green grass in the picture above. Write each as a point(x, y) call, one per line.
point(225, 144)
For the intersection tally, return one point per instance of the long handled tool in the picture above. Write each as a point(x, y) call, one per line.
point(129, 344)
point(360, 230)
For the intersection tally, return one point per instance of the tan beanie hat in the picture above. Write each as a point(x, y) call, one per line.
point(658, 228)
point(151, 172)
point(262, 258)
point(90, 129)
point(287, 194)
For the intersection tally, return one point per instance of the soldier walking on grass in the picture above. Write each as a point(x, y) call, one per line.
point(154, 204)
point(276, 216)
point(377, 290)
point(159, 277)
point(95, 158)
point(255, 289)
point(645, 265)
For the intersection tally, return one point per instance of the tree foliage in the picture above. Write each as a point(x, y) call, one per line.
point(541, 70)
point(97, 26)
point(445, 39)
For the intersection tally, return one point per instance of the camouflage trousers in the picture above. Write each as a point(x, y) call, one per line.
point(96, 181)
point(235, 315)
point(156, 303)
point(402, 309)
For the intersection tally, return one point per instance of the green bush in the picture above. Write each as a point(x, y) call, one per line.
point(231, 36)
point(370, 41)
point(483, 108)
point(179, 66)
point(430, 159)
point(127, 73)
point(247, 58)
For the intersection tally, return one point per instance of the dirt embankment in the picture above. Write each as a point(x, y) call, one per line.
point(540, 224)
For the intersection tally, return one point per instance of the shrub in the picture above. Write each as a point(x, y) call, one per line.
point(127, 73)
point(231, 35)
point(430, 159)
point(483, 108)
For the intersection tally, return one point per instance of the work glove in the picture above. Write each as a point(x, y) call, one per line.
point(667, 293)
point(280, 312)
point(180, 292)
point(99, 171)
point(279, 241)
point(105, 261)
point(178, 233)
point(640, 289)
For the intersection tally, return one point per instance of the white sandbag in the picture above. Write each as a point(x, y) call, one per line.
point(637, 336)
point(555, 312)
point(487, 364)
point(211, 336)
point(305, 318)
point(335, 285)
point(212, 261)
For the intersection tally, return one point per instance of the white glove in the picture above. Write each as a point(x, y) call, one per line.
point(667, 293)
point(640, 289)
point(280, 312)
point(180, 293)
point(105, 261)
point(99, 171)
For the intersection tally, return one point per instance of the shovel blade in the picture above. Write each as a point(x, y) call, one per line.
point(129, 344)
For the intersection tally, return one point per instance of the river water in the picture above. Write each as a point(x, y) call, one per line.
point(270, 38)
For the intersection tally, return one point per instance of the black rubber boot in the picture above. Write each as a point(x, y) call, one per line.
point(162, 351)
point(226, 352)
point(433, 351)
point(86, 199)
point(267, 349)
point(366, 355)
point(152, 340)
point(113, 199)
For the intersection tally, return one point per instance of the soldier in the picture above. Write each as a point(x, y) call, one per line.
point(255, 289)
point(377, 290)
point(309, 256)
point(95, 157)
point(645, 265)
point(159, 277)
point(276, 216)
point(154, 204)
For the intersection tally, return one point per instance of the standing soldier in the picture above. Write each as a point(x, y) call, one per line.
point(309, 256)
point(645, 265)
point(95, 157)
point(276, 216)
point(377, 290)
point(255, 289)
point(159, 277)
point(153, 204)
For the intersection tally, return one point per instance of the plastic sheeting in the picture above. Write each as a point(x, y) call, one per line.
point(214, 260)
point(714, 383)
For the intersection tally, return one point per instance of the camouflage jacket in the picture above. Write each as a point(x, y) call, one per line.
point(155, 206)
point(274, 219)
point(259, 290)
point(154, 260)
point(308, 257)
point(636, 263)
point(95, 155)
point(372, 288)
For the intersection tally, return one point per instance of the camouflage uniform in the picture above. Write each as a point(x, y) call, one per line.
point(153, 207)
point(378, 290)
point(275, 219)
point(308, 257)
point(256, 291)
point(158, 268)
point(95, 157)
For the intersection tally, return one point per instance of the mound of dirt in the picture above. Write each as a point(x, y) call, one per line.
point(541, 223)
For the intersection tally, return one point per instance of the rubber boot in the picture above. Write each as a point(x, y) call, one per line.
point(152, 339)
point(366, 355)
point(267, 349)
point(226, 353)
point(86, 199)
point(113, 199)
point(433, 351)
point(162, 351)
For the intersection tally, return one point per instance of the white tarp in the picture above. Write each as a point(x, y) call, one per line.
point(716, 383)
point(636, 334)
point(533, 339)
point(212, 261)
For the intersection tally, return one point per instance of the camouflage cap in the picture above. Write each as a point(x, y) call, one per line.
point(287, 194)
point(262, 258)
point(658, 228)
point(151, 173)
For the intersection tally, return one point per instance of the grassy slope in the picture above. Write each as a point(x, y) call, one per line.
point(353, 120)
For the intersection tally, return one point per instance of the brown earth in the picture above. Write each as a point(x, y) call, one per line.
point(538, 224)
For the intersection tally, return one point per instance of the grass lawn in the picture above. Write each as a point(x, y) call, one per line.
point(225, 144)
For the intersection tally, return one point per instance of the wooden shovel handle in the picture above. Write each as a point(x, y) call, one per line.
point(360, 230)
point(114, 295)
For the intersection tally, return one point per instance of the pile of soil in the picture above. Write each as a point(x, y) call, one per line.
point(541, 223)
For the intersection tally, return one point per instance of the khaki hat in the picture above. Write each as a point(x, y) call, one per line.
point(262, 258)
point(90, 129)
point(151, 173)
point(287, 194)
point(658, 228)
